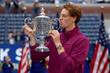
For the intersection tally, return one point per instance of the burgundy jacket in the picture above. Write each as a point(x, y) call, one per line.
point(76, 47)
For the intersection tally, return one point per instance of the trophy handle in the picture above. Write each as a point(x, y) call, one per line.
point(30, 23)
point(28, 20)
point(53, 22)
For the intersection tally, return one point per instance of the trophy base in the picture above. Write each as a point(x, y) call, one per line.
point(42, 49)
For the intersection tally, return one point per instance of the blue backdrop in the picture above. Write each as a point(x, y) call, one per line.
point(14, 51)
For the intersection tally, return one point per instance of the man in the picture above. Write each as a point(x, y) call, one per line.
point(68, 49)
point(8, 6)
point(36, 8)
point(7, 66)
point(11, 38)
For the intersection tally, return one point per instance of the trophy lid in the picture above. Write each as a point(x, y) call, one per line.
point(42, 11)
point(42, 14)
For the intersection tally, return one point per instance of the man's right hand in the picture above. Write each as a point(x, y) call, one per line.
point(30, 33)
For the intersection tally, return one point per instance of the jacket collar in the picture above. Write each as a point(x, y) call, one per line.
point(71, 33)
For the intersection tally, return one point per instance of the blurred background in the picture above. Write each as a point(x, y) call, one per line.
point(14, 12)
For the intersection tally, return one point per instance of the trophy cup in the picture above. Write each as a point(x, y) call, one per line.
point(43, 24)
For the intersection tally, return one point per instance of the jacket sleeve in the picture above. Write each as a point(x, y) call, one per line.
point(77, 56)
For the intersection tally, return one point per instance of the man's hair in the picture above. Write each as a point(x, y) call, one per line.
point(74, 11)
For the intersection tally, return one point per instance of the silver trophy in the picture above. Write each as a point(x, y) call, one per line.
point(43, 24)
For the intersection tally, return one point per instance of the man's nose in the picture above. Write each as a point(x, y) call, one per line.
point(60, 18)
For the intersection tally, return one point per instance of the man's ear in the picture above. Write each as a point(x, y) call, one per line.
point(74, 19)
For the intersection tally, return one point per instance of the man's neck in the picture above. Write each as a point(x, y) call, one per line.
point(71, 27)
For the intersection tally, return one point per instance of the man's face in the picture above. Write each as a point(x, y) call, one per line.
point(7, 59)
point(65, 19)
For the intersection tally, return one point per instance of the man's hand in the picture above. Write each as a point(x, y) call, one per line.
point(30, 33)
point(55, 35)
point(56, 38)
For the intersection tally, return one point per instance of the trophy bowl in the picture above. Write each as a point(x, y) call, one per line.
point(43, 25)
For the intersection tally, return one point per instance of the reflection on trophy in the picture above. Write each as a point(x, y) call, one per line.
point(43, 24)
